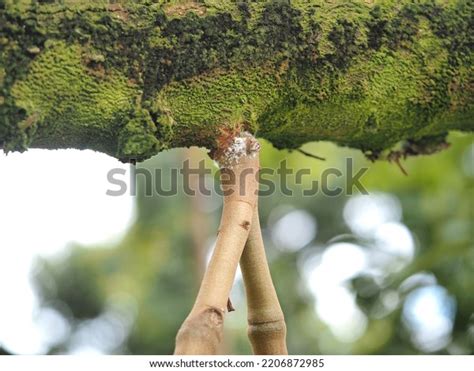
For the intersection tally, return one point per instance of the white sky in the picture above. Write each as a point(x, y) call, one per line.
point(49, 199)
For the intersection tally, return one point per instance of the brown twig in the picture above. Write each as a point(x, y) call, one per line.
point(395, 156)
point(303, 152)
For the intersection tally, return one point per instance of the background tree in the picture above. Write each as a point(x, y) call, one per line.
point(150, 274)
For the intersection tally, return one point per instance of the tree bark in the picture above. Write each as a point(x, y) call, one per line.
point(201, 332)
point(266, 322)
point(132, 78)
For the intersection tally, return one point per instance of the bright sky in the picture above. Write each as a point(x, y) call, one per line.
point(49, 199)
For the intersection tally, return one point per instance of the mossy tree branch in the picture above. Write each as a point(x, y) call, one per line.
point(130, 78)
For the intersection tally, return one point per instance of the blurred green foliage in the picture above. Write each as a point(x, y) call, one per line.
point(150, 278)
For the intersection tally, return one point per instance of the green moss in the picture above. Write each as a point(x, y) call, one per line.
point(132, 77)
point(67, 97)
point(137, 140)
point(221, 99)
point(371, 106)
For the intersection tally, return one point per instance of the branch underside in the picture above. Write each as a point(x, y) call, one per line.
point(136, 77)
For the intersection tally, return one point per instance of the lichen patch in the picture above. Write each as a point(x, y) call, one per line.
point(241, 145)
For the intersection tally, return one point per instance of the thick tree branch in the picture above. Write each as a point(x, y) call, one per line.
point(131, 78)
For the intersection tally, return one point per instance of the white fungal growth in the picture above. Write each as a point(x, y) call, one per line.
point(242, 145)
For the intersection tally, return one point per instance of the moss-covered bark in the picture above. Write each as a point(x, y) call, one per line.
point(130, 78)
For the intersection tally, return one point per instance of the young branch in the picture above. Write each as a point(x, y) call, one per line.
point(201, 332)
point(266, 323)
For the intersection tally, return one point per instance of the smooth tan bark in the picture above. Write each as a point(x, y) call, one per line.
point(266, 323)
point(201, 332)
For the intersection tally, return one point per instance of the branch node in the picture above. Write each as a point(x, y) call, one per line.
point(245, 225)
point(232, 148)
point(201, 333)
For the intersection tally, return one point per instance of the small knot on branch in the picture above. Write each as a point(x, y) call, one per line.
point(201, 333)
